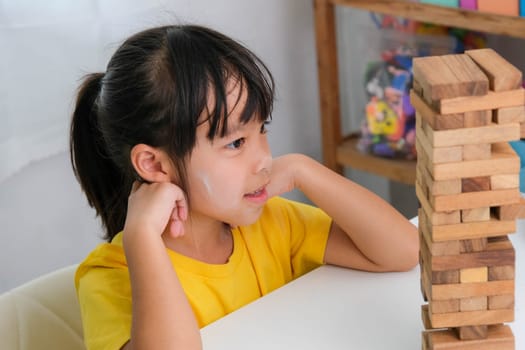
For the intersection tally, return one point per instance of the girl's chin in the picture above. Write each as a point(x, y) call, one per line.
point(247, 219)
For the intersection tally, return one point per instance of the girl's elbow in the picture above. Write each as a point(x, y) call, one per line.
point(410, 258)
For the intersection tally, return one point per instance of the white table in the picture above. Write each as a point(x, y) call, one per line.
point(335, 308)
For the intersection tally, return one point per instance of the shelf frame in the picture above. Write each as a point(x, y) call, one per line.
point(339, 151)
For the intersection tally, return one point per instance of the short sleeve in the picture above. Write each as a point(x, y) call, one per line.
point(104, 296)
point(309, 230)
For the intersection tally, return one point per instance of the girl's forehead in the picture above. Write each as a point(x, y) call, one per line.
point(235, 93)
point(235, 100)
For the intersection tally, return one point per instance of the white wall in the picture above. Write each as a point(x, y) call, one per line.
point(44, 219)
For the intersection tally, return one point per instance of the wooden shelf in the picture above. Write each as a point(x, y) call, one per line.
point(400, 170)
point(449, 16)
point(338, 151)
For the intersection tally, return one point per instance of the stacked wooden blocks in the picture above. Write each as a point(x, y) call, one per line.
point(468, 107)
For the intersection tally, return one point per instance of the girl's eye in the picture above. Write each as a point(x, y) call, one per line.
point(264, 129)
point(236, 144)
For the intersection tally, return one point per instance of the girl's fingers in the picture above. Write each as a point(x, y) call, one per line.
point(182, 209)
point(178, 216)
point(176, 228)
point(159, 205)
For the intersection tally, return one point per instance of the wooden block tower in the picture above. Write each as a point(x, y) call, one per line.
point(468, 107)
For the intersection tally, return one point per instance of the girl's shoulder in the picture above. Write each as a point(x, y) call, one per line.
point(105, 255)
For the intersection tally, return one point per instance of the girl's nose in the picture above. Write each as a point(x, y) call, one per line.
point(264, 157)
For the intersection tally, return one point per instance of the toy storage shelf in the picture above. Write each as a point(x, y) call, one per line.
point(340, 150)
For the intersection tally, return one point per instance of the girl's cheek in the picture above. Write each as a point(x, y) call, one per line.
point(219, 194)
point(206, 184)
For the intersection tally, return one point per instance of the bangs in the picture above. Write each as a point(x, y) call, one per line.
point(209, 63)
point(257, 103)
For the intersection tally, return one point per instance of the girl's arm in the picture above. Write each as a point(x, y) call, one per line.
point(162, 316)
point(367, 233)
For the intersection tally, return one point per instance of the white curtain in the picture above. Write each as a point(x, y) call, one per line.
point(45, 49)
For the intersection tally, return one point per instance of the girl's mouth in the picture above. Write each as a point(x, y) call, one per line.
point(258, 196)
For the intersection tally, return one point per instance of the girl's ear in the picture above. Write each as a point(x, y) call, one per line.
point(151, 164)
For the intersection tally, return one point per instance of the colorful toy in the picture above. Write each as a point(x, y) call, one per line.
point(388, 130)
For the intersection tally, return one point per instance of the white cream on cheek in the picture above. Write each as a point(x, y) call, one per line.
point(205, 180)
point(214, 191)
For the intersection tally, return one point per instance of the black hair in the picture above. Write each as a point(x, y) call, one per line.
point(155, 89)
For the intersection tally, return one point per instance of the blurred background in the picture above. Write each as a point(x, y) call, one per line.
point(46, 48)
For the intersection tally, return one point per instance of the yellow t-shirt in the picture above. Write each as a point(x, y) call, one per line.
point(288, 240)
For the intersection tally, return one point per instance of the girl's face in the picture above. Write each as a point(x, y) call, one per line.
point(228, 175)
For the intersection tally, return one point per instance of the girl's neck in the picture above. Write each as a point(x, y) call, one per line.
point(204, 239)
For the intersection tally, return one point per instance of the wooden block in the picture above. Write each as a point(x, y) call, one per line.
point(508, 115)
point(478, 274)
point(473, 304)
point(436, 188)
point(436, 277)
point(468, 73)
point(467, 290)
point(471, 200)
point(476, 214)
point(496, 302)
point(423, 180)
point(424, 342)
point(501, 273)
point(499, 337)
point(436, 218)
point(477, 118)
point(449, 76)
point(425, 126)
point(492, 100)
point(417, 87)
point(445, 277)
point(505, 181)
point(437, 248)
point(498, 242)
point(432, 249)
point(435, 154)
point(472, 332)
point(492, 133)
point(502, 75)
point(489, 257)
point(477, 152)
point(473, 245)
point(499, 163)
point(503, 148)
point(443, 306)
point(440, 248)
point(425, 284)
point(423, 293)
point(475, 184)
point(511, 211)
point(435, 120)
point(471, 230)
point(435, 80)
point(471, 318)
point(445, 248)
point(425, 317)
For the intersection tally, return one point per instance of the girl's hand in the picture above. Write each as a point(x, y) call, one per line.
point(283, 177)
point(155, 207)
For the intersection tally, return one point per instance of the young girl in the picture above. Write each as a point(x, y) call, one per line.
point(170, 148)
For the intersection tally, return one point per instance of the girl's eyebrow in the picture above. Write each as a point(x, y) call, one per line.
point(233, 128)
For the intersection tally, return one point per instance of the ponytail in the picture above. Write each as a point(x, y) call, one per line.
point(103, 183)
